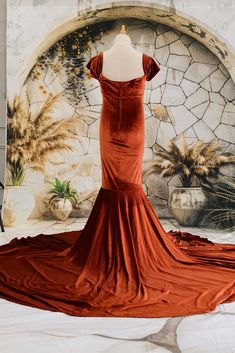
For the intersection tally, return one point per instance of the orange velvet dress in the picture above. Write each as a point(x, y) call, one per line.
point(122, 263)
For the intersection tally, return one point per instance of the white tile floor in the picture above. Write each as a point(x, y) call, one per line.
point(35, 226)
point(25, 330)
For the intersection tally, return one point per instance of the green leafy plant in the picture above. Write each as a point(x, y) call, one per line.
point(17, 172)
point(199, 161)
point(222, 197)
point(32, 140)
point(63, 190)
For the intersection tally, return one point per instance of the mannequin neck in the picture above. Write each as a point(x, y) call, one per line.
point(123, 61)
point(122, 40)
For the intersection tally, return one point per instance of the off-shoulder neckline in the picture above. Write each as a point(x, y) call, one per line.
point(133, 79)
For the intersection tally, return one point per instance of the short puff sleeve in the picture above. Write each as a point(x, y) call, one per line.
point(152, 68)
point(95, 66)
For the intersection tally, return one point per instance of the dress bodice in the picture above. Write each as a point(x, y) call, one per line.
point(133, 87)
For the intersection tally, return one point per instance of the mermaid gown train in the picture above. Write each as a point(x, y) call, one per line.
point(123, 262)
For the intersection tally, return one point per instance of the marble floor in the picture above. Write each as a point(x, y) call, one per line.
point(25, 330)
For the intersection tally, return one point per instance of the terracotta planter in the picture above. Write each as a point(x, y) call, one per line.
point(186, 204)
point(60, 208)
point(18, 203)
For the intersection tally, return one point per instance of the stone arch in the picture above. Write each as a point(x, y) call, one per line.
point(158, 127)
point(151, 12)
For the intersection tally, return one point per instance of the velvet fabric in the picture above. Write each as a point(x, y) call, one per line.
point(122, 263)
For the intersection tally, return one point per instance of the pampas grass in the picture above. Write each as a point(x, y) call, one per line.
point(199, 160)
point(31, 140)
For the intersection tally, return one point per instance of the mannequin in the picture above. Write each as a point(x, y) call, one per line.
point(122, 62)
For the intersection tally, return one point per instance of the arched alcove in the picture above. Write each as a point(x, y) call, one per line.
point(176, 101)
point(153, 12)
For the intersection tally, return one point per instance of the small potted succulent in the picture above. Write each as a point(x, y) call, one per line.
point(198, 162)
point(62, 200)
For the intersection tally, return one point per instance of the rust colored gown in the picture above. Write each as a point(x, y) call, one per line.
point(122, 263)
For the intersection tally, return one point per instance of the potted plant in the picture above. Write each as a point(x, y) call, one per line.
point(198, 162)
point(63, 198)
point(30, 142)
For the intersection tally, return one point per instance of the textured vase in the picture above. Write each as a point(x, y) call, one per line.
point(60, 208)
point(186, 204)
point(18, 203)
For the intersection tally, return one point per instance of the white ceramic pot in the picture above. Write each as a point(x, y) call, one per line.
point(187, 203)
point(60, 208)
point(18, 203)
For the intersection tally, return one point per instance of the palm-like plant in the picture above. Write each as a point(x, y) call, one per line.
point(199, 160)
point(31, 140)
point(222, 214)
point(17, 172)
point(63, 190)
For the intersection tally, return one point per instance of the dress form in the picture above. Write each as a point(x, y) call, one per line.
point(122, 62)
